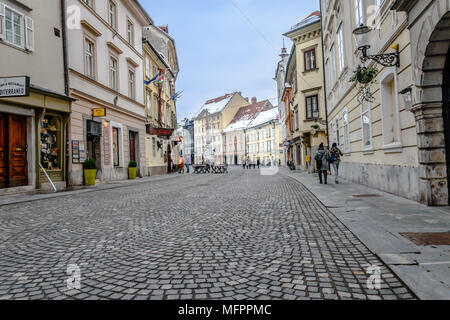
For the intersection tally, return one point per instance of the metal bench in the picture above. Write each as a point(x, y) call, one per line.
point(201, 168)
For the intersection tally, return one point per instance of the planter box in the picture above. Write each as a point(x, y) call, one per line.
point(131, 173)
point(89, 177)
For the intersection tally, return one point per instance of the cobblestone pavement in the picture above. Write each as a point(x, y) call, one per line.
point(235, 236)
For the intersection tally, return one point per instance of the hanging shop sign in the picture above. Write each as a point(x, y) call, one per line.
point(160, 132)
point(14, 87)
point(99, 112)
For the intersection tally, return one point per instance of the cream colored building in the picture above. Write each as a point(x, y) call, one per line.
point(234, 138)
point(263, 138)
point(106, 71)
point(305, 76)
point(214, 116)
point(33, 123)
point(160, 57)
point(378, 136)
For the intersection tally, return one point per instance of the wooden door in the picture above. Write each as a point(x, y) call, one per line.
point(132, 146)
point(3, 151)
point(18, 163)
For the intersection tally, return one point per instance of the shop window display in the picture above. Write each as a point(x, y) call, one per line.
point(50, 144)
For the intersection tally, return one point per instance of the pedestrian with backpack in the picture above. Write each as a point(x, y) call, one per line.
point(322, 157)
point(335, 160)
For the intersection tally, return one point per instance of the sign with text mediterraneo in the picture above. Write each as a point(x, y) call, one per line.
point(14, 87)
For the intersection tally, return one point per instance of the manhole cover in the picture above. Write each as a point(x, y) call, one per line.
point(365, 195)
point(428, 238)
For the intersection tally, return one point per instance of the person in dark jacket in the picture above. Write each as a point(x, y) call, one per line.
point(322, 157)
point(335, 160)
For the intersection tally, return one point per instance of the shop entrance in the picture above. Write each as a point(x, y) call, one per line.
point(13, 151)
point(132, 146)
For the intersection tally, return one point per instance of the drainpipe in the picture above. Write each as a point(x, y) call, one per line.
point(324, 74)
point(66, 87)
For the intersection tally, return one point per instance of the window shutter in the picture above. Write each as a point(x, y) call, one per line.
point(29, 34)
point(2, 21)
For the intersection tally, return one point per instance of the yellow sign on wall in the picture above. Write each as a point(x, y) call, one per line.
point(99, 112)
point(308, 159)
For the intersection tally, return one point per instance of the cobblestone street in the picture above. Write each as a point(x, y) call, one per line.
point(235, 236)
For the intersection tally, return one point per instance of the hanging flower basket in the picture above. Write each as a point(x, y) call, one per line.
point(365, 77)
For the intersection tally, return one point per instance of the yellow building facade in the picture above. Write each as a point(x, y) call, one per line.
point(214, 116)
point(307, 104)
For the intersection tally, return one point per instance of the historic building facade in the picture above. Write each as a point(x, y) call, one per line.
point(214, 116)
point(160, 72)
point(34, 102)
point(234, 138)
point(391, 130)
point(307, 104)
point(428, 22)
point(106, 72)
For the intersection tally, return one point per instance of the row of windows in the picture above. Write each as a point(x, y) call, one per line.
point(260, 147)
point(390, 116)
point(259, 135)
point(112, 19)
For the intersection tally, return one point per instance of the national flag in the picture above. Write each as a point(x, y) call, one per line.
point(150, 81)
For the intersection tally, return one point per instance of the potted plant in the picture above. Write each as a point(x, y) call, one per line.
point(132, 170)
point(365, 76)
point(90, 171)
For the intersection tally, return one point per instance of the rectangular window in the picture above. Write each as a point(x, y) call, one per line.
point(333, 65)
point(112, 13)
point(89, 58)
point(366, 126)
point(130, 32)
point(337, 133)
point(147, 67)
point(156, 108)
point(113, 73)
point(346, 128)
point(149, 104)
point(359, 12)
point(50, 142)
point(154, 147)
point(311, 107)
point(340, 41)
point(115, 136)
point(14, 28)
point(310, 60)
point(131, 84)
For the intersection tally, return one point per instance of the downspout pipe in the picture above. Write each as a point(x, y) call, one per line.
point(66, 85)
point(324, 73)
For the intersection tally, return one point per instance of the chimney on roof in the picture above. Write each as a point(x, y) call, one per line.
point(254, 100)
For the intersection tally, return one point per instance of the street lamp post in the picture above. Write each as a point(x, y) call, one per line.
point(362, 37)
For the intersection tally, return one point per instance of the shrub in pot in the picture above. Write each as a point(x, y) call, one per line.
point(90, 171)
point(132, 170)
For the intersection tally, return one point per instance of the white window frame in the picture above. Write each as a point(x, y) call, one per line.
point(91, 55)
point(114, 73)
point(149, 103)
point(147, 67)
point(386, 106)
point(341, 48)
point(337, 131)
point(2, 21)
point(22, 28)
point(333, 65)
point(359, 12)
point(112, 15)
point(131, 83)
point(346, 130)
point(366, 148)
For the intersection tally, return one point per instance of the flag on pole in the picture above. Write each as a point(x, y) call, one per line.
point(150, 81)
point(161, 76)
point(177, 95)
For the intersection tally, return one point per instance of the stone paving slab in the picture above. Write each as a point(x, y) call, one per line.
point(378, 222)
point(236, 236)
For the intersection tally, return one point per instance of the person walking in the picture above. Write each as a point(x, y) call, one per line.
point(322, 157)
point(258, 162)
point(243, 163)
point(187, 164)
point(181, 163)
point(335, 160)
